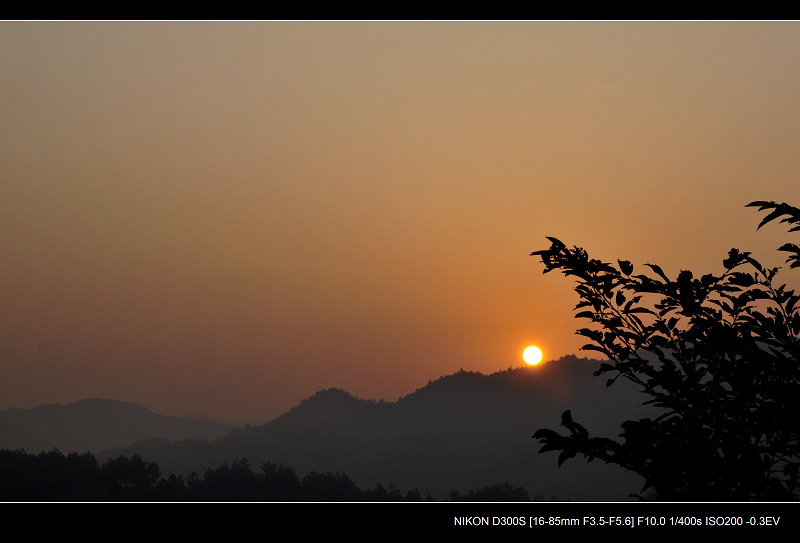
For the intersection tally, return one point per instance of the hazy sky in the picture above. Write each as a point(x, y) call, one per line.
point(225, 217)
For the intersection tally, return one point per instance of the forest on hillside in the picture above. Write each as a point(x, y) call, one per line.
point(55, 477)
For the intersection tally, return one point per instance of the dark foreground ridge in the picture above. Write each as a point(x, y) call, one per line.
point(463, 431)
point(459, 432)
point(56, 477)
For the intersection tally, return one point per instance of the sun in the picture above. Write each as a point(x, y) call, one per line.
point(532, 355)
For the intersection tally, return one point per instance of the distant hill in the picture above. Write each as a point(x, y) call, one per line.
point(94, 425)
point(460, 432)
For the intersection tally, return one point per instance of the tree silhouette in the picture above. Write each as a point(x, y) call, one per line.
point(130, 479)
point(329, 487)
point(718, 355)
point(504, 492)
point(236, 482)
point(281, 483)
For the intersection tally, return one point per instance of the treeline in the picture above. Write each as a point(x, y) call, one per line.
point(54, 476)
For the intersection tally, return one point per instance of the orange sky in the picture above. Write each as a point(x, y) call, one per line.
point(223, 217)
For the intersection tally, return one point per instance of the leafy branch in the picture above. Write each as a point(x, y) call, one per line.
point(716, 354)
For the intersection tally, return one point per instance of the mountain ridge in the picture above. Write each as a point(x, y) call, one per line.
point(461, 431)
point(458, 432)
point(96, 424)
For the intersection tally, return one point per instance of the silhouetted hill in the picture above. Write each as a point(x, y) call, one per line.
point(460, 432)
point(96, 425)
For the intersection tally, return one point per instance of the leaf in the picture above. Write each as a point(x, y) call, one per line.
point(572, 426)
point(734, 259)
point(545, 434)
point(672, 322)
point(742, 279)
point(565, 455)
point(791, 248)
point(595, 335)
point(656, 268)
point(793, 214)
point(591, 347)
point(625, 267)
point(770, 217)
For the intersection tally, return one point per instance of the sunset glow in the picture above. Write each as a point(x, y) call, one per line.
point(226, 217)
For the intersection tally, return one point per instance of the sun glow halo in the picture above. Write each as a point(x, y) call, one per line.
point(532, 355)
